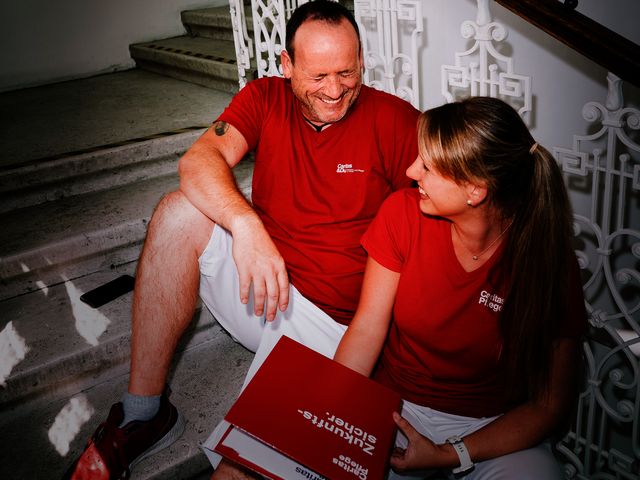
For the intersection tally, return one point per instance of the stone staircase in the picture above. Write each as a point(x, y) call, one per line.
point(72, 222)
point(206, 56)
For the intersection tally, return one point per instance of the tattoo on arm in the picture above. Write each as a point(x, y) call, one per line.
point(220, 128)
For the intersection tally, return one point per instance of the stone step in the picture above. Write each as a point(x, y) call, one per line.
point(213, 22)
point(47, 244)
point(117, 108)
point(136, 128)
point(69, 345)
point(63, 240)
point(205, 380)
point(99, 168)
point(204, 61)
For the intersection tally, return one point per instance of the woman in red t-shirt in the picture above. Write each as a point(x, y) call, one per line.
point(471, 305)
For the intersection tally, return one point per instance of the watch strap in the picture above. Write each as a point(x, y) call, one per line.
point(461, 450)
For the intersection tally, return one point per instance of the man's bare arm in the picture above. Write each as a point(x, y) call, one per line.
point(208, 182)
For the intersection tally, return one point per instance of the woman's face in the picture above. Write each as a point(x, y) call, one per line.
point(439, 196)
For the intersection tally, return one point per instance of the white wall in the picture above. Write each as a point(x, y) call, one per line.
point(48, 41)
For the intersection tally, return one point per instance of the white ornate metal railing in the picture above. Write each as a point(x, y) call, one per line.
point(241, 40)
point(385, 64)
point(608, 407)
point(481, 77)
point(269, 24)
point(380, 22)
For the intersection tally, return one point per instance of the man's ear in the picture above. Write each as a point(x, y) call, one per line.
point(287, 64)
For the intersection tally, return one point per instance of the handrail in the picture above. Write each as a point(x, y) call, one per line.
point(586, 36)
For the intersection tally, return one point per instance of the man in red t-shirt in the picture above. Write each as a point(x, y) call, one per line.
point(328, 151)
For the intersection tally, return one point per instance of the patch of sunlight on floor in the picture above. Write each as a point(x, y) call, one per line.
point(39, 283)
point(13, 349)
point(69, 422)
point(90, 323)
point(43, 287)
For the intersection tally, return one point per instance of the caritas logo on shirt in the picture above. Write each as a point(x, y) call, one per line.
point(347, 168)
point(492, 301)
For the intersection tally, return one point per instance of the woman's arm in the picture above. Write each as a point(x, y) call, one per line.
point(362, 343)
point(523, 427)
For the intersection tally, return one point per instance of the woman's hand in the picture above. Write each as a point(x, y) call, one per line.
point(421, 453)
point(524, 426)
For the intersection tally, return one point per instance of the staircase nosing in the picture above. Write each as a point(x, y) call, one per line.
point(35, 163)
point(223, 60)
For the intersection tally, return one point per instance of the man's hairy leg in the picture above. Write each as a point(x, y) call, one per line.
point(230, 470)
point(166, 289)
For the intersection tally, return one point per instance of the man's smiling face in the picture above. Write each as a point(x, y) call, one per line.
point(326, 77)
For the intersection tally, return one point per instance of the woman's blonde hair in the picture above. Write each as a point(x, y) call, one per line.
point(484, 141)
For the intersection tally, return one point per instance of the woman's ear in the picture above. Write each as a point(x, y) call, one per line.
point(476, 193)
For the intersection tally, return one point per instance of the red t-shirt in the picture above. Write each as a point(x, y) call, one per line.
point(443, 346)
point(317, 192)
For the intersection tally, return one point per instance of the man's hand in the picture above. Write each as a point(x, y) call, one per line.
point(208, 183)
point(259, 262)
point(421, 453)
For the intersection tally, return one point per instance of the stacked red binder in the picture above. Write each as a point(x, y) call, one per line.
point(304, 416)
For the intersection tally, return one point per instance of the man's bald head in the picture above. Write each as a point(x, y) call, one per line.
point(317, 10)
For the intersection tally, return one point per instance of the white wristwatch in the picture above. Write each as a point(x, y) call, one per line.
point(465, 460)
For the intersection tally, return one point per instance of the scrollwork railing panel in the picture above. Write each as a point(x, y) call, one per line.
point(481, 77)
point(386, 67)
point(241, 40)
point(269, 23)
point(604, 440)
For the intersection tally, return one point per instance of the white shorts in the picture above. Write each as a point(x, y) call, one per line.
point(530, 464)
point(220, 291)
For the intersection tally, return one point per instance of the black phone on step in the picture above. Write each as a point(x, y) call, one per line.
point(109, 291)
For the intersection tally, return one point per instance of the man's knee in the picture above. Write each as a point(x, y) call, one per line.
point(178, 221)
point(174, 206)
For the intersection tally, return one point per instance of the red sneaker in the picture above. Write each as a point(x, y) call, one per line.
point(112, 452)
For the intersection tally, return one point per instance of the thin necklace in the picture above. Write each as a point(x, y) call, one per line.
point(475, 257)
point(318, 128)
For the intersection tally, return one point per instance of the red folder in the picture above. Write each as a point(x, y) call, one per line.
point(308, 417)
